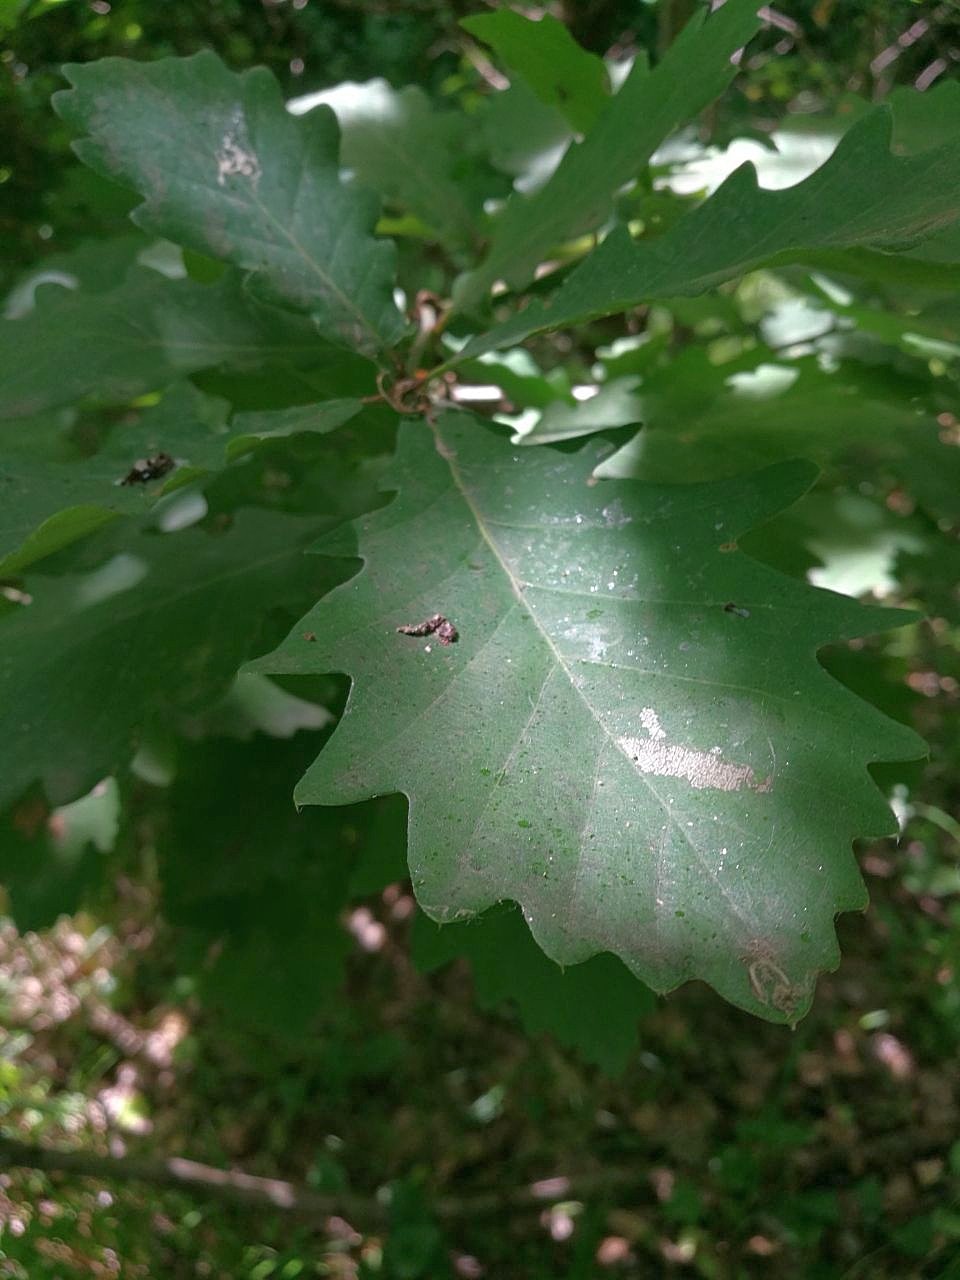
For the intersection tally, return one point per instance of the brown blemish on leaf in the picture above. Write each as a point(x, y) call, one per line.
point(437, 625)
point(770, 984)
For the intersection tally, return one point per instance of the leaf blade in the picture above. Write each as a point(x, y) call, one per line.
point(863, 196)
point(561, 73)
point(576, 752)
point(227, 172)
point(648, 107)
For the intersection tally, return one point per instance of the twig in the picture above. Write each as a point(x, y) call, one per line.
point(234, 1187)
point(228, 1185)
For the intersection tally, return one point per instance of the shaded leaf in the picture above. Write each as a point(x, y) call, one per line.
point(51, 860)
point(47, 506)
point(561, 73)
point(649, 106)
point(118, 344)
point(259, 911)
point(226, 171)
point(698, 428)
point(594, 1008)
point(420, 158)
point(631, 737)
point(158, 629)
point(614, 405)
point(523, 138)
point(862, 196)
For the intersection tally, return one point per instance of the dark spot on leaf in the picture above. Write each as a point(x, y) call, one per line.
point(437, 625)
point(740, 612)
point(146, 469)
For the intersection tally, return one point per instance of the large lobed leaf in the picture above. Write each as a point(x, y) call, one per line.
point(226, 171)
point(863, 196)
point(632, 736)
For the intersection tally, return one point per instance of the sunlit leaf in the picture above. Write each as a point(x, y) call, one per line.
point(630, 735)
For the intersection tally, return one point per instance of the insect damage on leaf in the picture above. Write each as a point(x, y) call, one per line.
point(146, 469)
point(704, 770)
point(436, 625)
point(770, 984)
point(235, 156)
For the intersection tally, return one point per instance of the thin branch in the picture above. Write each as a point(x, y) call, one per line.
point(228, 1185)
point(234, 1187)
point(819, 1167)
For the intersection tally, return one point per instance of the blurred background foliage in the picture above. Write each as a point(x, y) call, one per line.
point(297, 1019)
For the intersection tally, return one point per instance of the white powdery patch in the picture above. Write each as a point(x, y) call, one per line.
point(704, 770)
point(235, 155)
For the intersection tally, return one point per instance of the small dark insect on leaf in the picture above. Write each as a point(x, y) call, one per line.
point(146, 469)
point(730, 607)
point(438, 625)
point(309, 635)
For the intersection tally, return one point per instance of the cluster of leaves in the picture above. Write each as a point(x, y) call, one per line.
point(631, 735)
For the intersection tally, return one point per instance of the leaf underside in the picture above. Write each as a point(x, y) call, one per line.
point(631, 736)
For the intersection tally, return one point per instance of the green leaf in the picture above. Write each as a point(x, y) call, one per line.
point(11, 11)
point(115, 345)
point(631, 737)
point(862, 196)
point(421, 159)
point(594, 1008)
point(50, 861)
point(47, 506)
point(545, 54)
point(226, 171)
point(160, 627)
point(523, 138)
point(923, 120)
point(614, 405)
point(648, 107)
point(248, 430)
point(94, 266)
point(260, 896)
point(889, 268)
point(698, 428)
